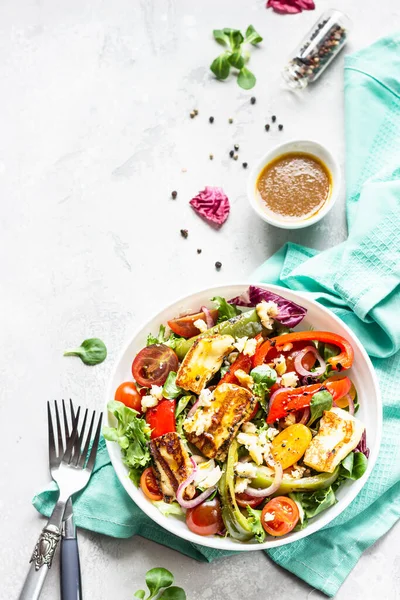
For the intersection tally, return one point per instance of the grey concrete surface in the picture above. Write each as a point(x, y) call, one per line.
point(95, 134)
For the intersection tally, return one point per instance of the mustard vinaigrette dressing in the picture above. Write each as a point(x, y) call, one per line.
point(294, 186)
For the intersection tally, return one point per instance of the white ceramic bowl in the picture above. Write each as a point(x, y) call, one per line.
point(362, 373)
point(309, 147)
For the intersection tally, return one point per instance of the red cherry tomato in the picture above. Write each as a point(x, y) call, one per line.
point(244, 500)
point(149, 485)
point(153, 364)
point(185, 326)
point(161, 418)
point(285, 513)
point(128, 394)
point(206, 518)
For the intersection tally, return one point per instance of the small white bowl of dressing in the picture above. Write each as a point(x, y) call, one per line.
point(295, 184)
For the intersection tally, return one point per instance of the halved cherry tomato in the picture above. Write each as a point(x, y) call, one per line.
point(289, 400)
point(152, 365)
point(149, 485)
point(244, 500)
point(128, 394)
point(206, 518)
point(285, 513)
point(161, 418)
point(343, 360)
point(185, 326)
point(342, 400)
point(242, 362)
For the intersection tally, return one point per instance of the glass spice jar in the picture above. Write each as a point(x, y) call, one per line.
point(317, 49)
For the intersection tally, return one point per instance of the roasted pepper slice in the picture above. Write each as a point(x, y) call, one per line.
point(243, 362)
point(306, 484)
point(344, 360)
point(245, 325)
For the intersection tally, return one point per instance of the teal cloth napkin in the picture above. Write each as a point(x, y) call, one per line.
point(359, 281)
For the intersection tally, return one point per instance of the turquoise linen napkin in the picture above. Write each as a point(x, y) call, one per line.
point(359, 281)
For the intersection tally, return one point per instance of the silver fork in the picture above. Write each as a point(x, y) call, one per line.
point(71, 465)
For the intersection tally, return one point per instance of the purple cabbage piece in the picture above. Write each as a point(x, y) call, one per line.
point(290, 314)
point(362, 445)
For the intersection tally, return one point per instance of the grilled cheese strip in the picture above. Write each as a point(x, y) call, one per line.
point(172, 465)
point(339, 433)
point(202, 361)
point(212, 427)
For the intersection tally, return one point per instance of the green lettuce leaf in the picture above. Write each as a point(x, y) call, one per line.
point(320, 402)
point(254, 521)
point(170, 389)
point(225, 311)
point(316, 502)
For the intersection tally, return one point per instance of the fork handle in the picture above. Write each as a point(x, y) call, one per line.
point(43, 554)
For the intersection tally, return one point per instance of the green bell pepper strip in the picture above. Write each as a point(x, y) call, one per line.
point(245, 325)
point(307, 484)
point(235, 522)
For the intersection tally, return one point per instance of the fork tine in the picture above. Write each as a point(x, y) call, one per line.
point(79, 441)
point(83, 456)
point(66, 427)
point(52, 446)
point(71, 441)
point(71, 406)
point(93, 451)
point(60, 441)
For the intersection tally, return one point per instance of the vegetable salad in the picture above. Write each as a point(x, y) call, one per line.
point(238, 424)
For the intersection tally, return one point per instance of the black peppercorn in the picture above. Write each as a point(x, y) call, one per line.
point(198, 250)
point(273, 118)
point(236, 146)
point(267, 127)
point(244, 165)
point(231, 153)
point(211, 119)
point(218, 265)
point(253, 100)
point(184, 233)
point(174, 194)
point(280, 127)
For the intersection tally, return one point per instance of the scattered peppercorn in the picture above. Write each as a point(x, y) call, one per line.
point(196, 112)
point(198, 250)
point(231, 153)
point(192, 115)
point(211, 119)
point(211, 156)
point(218, 265)
point(235, 156)
point(253, 100)
point(174, 194)
point(236, 146)
point(280, 127)
point(267, 127)
point(244, 165)
point(230, 120)
point(184, 233)
point(197, 378)
point(273, 118)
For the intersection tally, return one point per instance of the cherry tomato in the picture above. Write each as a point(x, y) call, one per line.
point(153, 364)
point(161, 418)
point(285, 513)
point(149, 485)
point(206, 518)
point(185, 326)
point(244, 500)
point(128, 394)
point(342, 400)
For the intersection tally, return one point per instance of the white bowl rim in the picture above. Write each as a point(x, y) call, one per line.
point(287, 147)
point(230, 545)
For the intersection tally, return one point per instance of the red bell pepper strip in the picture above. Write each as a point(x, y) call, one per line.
point(344, 360)
point(242, 362)
point(161, 418)
point(290, 400)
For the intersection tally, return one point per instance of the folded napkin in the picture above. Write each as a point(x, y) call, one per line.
point(359, 281)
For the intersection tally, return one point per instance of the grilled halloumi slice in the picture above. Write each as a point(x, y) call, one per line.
point(215, 424)
point(339, 433)
point(172, 465)
point(202, 361)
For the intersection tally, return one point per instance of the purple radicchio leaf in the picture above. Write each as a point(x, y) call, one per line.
point(362, 445)
point(289, 314)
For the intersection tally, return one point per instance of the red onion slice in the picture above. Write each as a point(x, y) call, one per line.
point(351, 403)
point(209, 319)
point(306, 416)
point(262, 493)
point(299, 367)
point(181, 490)
point(193, 409)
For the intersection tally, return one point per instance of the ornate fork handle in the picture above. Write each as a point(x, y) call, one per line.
point(46, 547)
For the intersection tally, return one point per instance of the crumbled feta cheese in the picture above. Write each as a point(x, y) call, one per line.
point(269, 516)
point(232, 357)
point(250, 347)
point(246, 469)
point(241, 484)
point(266, 311)
point(287, 347)
point(157, 392)
point(201, 325)
point(256, 445)
point(289, 379)
point(290, 419)
point(240, 343)
point(298, 472)
point(249, 428)
point(199, 422)
point(244, 379)
point(210, 478)
point(206, 397)
point(272, 432)
point(148, 402)
point(280, 364)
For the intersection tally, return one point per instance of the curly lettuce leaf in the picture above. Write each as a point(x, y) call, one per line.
point(254, 521)
point(225, 311)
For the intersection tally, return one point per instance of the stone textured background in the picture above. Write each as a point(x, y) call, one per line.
point(95, 134)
